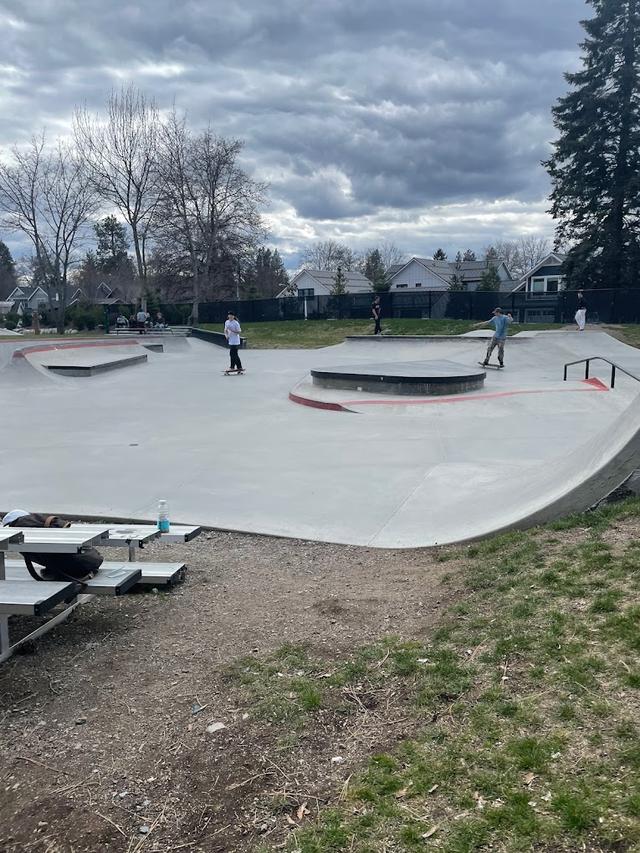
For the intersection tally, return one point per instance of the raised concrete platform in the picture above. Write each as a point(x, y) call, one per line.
point(408, 377)
point(95, 366)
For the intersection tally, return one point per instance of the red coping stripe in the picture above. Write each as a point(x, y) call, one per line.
point(594, 385)
point(25, 351)
point(317, 404)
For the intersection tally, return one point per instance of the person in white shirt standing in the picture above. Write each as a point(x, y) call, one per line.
point(232, 332)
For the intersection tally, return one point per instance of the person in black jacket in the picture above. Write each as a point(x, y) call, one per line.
point(581, 312)
point(376, 313)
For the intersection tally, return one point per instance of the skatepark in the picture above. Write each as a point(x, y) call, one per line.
point(105, 428)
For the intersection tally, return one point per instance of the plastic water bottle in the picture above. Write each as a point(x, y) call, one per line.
point(163, 517)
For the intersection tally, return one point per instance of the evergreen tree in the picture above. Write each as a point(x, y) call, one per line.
point(374, 270)
point(439, 255)
point(456, 282)
point(469, 255)
point(7, 271)
point(113, 243)
point(595, 164)
point(491, 254)
point(339, 283)
point(489, 280)
point(265, 276)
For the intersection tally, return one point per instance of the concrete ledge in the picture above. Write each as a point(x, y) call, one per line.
point(405, 378)
point(425, 339)
point(95, 367)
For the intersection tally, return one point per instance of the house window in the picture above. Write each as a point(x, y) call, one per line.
point(306, 292)
point(419, 284)
point(399, 286)
point(553, 285)
point(537, 285)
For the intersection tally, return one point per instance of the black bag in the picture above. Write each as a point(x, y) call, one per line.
point(60, 567)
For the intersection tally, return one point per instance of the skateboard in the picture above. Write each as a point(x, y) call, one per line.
point(233, 372)
point(494, 366)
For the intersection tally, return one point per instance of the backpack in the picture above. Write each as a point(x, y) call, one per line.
point(76, 568)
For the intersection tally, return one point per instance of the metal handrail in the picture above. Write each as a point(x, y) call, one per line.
point(587, 362)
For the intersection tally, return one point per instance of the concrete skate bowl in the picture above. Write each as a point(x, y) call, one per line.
point(40, 364)
point(522, 495)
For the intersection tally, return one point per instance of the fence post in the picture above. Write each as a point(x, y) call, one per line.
point(429, 304)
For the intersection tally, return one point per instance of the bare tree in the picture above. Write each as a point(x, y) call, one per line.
point(391, 255)
point(533, 249)
point(329, 255)
point(208, 203)
point(49, 197)
point(523, 254)
point(122, 153)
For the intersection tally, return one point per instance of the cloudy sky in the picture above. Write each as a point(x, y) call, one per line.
point(421, 122)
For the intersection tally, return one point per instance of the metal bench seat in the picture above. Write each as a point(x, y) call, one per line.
point(154, 574)
point(20, 597)
point(112, 578)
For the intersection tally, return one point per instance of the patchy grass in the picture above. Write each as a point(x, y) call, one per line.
point(525, 702)
point(306, 334)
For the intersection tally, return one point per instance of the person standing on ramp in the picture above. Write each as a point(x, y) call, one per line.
point(581, 312)
point(232, 332)
point(500, 323)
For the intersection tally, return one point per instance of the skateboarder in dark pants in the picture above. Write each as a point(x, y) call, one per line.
point(232, 333)
point(376, 313)
point(500, 323)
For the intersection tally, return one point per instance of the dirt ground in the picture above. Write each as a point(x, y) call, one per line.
point(103, 726)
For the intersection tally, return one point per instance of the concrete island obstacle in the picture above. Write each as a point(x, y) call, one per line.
point(409, 377)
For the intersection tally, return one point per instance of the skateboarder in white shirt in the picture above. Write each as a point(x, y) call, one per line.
point(500, 323)
point(232, 332)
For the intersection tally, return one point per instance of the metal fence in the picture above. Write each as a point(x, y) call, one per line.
point(604, 306)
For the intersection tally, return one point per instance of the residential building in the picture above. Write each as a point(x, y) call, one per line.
point(427, 274)
point(310, 283)
point(545, 278)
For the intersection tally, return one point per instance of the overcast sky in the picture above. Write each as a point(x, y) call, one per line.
point(421, 122)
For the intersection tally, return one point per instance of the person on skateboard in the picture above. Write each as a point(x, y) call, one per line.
point(232, 332)
point(500, 323)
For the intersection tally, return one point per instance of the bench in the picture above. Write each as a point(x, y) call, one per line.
point(111, 579)
point(36, 598)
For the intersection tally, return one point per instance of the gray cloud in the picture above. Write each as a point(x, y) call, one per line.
point(356, 112)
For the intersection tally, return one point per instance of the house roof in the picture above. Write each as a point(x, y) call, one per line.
point(468, 270)
point(356, 282)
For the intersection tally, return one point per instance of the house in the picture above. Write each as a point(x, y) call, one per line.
point(27, 298)
point(310, 283)
point(428, 274)
point(545, 277)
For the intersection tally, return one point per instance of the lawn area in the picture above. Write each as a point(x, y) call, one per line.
point(307, 334)
point(525, 699)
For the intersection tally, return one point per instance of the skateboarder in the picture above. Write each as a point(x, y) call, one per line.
point(232, 332)
point(376, 313)
point(500, 323)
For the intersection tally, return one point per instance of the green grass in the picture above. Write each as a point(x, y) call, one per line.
point(306, 334)
point(525, 702)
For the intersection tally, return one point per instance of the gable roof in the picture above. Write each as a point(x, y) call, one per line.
point(356, 282)
point(558, 257)
point(438, 268)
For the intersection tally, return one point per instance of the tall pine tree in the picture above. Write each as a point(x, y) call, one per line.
point(595, 164)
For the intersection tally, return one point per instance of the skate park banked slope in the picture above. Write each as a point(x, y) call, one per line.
point(238, 454)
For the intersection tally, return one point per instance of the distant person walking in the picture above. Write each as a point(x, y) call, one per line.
point(232, 332)
point(500, 323)
point(581, 313)
point(376, 313)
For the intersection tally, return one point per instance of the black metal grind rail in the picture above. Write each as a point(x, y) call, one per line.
point(587, 362)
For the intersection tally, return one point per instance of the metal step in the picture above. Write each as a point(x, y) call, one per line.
point(20, 597)
point(111, 579)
